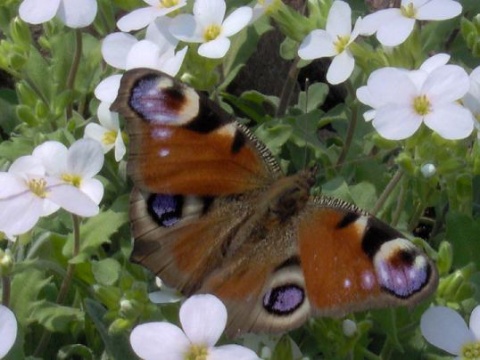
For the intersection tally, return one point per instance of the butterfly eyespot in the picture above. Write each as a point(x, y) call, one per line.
point(400, 268)
point(166, 210)
point(283, 300)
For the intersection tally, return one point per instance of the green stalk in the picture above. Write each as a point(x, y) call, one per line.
point(74, 68)
point(387, 191)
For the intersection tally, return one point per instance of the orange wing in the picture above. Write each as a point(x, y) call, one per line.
point(183, 143)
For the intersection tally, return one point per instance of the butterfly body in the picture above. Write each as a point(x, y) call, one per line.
point(211, 212)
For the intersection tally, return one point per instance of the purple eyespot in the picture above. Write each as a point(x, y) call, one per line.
point(157, 103)
point(166, 210)
point(283, 300)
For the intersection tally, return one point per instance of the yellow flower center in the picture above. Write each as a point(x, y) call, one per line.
point(422, 105)
point(168, 3)
point(73, 179)
point(197, 352)
point(109, 137)
point(212, 32)
point(471, 351)
point(341, 43)
point(409, 11)
point(38, 187)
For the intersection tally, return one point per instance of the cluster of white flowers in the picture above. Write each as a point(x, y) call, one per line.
point(53, 177)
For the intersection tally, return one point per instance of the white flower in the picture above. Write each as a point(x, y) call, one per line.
point(446, 329)
point(123, 51)
point(261, 7)
point(8, 330)
point(108, 133)
point(75, 166)
point(428, 170)
point(333, 41)
point(75, 14)
point(209, 26)
point(471, 100)
point(27, 193)
point(393, 26)
point(140, 18)
point(203, 319)
point(404, 100)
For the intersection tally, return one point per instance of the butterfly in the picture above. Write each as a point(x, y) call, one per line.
point(211, 212)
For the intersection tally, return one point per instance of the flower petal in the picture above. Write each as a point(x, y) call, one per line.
point(137, 19)
point(77, 15)
point(451, 121)
point(107, 118)
point(203, 318)
point(8, 330)
point(371, 23)
point(236, 21)
point(232, 352)
point(317, 44)
point(341, 68)
point(20, 213)
point(446, 83)
point(143, 54)
point(396, 122)
point(53, 155)
point(107, 89)
point(396, 32)
point(435, 62)
point(93, 188)
point(445, 329)
point(159, 340)
point(339, 20)
point(439, 10)
point(37, 12)
point(165, 296)
point(184, 28)
point(158, 33)
point(391, 85)
point(208, 12)
point(115, 48)
point(215, 49)
point(474, 323)
point(12, 185)
point(72, 199)
point(172, 65)
point(85, 157)
point(29, 164)
point(120, 148)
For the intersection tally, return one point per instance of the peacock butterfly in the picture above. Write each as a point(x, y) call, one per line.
point(211, 212)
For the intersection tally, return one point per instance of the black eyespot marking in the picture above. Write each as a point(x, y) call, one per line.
point(291, 261)
point(348, 219)
point(166, 210)
point(283, 300)
point(376, 234)
point(209, 117)
point(239, 141)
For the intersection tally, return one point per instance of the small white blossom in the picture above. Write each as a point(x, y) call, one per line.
point(333, 41)
point(393, 25)
point(140, 18)
point(8, 330)
point(209, 26)
point(108, 133)
point(446, 329)
point(75, 166)
point(203, 319)
point(403, 100)
point(74, 14)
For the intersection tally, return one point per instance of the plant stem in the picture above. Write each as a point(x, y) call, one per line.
point(74, 68)
point(288, 88)
point(6, 290)
point(65, 286)
point(352, 125)
point(386, 193)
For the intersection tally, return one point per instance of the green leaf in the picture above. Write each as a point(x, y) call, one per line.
point(57, 318)
point(462, 233)
point(78, 351)
point(26, 288)
point(283, 349)
point(364, 195)
point(93, 233)
point(117, 344)
point(106, 271)
point(313, 98)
